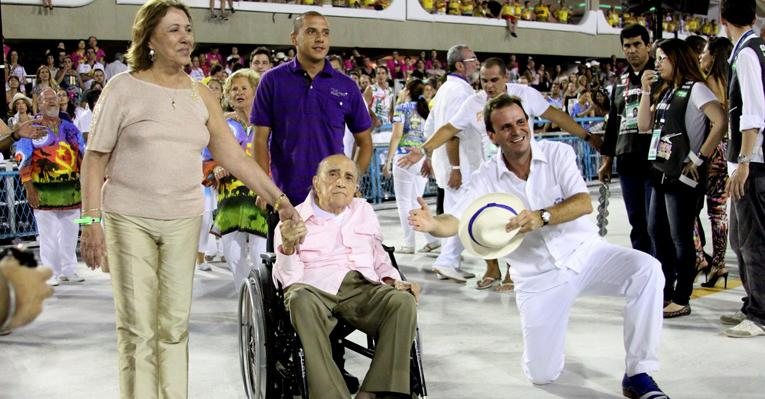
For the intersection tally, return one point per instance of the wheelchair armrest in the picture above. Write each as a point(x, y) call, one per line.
point(269, 258)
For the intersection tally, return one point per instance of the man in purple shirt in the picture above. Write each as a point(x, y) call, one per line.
point(341, 270)
point(301, 110)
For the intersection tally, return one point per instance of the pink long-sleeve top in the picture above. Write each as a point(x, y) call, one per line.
point(334, 246)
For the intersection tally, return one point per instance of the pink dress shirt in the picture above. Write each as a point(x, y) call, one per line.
point(331, 250)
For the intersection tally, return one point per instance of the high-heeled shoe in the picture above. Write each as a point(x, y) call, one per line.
point(716, 273)
point(703, 269)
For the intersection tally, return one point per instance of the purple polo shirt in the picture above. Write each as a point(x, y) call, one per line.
point(307, 120)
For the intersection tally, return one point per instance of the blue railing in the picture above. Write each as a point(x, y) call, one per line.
point(16, 217)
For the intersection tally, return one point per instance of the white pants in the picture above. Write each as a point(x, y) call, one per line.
point(611, 271)
point(208, 243)
point(236, 249)
point(57, 233)
point(451, 247)
point(408, 184)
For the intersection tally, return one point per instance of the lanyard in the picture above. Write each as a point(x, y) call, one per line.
point(741, 41)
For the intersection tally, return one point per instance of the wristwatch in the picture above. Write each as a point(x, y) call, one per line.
point(546, 216)
point(743, 158)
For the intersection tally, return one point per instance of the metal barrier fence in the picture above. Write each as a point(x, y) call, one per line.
point(376, 188)
point(16, 217)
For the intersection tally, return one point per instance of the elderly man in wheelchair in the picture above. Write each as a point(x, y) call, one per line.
point(334, 266)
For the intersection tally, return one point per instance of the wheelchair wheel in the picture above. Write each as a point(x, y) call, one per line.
point(252, 338)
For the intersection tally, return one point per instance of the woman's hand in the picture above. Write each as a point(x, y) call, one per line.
point(647, 79)
point(691, 171)
point(220, 173)
point(386, 169)
point(93, 247)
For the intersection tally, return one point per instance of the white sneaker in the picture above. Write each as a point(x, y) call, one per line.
point(745, 329)
point(465, 274)
point(53, 281)
point(72, 278)
point(450, 272)
point(205, 267)
point(733, 319)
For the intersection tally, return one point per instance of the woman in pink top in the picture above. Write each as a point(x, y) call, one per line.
point(142, 174)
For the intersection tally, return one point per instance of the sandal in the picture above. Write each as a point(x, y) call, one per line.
point(486, 282)
point(507, 285)
point(430, 247)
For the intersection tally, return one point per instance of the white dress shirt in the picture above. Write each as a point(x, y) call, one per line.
point(553, 178)
point(446, 103)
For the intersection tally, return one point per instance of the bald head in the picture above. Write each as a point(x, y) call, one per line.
point(335, 183)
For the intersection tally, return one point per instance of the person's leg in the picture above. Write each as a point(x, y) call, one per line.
point(389, 315)
point(178, 245)
point(204, 230)
point(735, 237)
point(658, 226)
point(132, 250)
point(451, 247)
point(636, 198)
point(751, 224)
point(47, 235)
point(256, 246)
point(311, 315)
point(681, 219)
point(235, 251)
point(639, 279)
point(404, 185)
point(544, 320)
point(717, 205)
point(67, 240)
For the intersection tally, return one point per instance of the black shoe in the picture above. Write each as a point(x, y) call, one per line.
point(641, 386)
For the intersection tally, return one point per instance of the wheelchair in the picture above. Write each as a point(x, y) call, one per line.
point(271, 356)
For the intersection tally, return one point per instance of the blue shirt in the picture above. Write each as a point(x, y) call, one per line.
point(307, 118)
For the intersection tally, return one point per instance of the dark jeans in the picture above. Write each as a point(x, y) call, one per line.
point(671, 219)
point(636, 191)
point(747, 239)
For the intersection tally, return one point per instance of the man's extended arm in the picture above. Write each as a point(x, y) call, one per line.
point(364, 152)
point(260, 147)
point(568, 124)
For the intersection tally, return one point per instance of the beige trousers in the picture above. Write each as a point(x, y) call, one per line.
point(152, 268)
point(379, 310)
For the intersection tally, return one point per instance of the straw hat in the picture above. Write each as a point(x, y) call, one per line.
point(482, 226)
point(21, 96)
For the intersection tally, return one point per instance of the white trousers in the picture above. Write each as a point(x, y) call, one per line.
point(611, 271)
point(236, 248)
point(208, 243)
point(451, 247)
point(57, 233)
point(408, 184)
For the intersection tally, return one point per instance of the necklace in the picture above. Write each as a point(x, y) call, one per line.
point(170, 92)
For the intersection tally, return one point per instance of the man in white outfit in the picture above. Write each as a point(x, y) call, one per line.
point(463, 71)
point(468, 124)
point(562, 255)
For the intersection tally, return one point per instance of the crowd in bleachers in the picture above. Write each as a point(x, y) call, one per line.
point(673, 22)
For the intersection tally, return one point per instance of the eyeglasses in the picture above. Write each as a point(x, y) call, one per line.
point(474, 59)
point(659, 60)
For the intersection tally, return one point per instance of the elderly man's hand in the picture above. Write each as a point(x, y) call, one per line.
point(408, 286)
point(31, 289)
point(410, 159)
point(293, 232)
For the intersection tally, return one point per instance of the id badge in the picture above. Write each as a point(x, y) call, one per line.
point(664, 149)
point(653, 148)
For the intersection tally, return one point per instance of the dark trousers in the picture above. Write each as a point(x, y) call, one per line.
point(747, 239)
point(636, 191)
point(671, 218)
point(440, 201)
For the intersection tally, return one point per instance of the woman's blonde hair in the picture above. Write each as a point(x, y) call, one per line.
point(246, 73)
point(146, 20)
